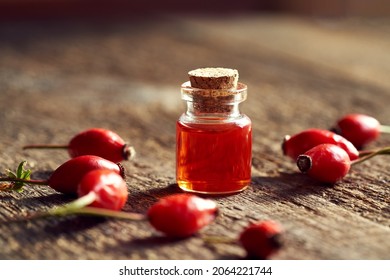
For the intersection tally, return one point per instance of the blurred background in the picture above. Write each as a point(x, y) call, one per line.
point(98, 9)
point(133, 48)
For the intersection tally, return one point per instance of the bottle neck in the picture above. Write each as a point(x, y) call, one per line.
point(213, 103)
point(210, 109)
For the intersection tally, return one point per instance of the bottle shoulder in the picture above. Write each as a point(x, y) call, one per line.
point(241, 120)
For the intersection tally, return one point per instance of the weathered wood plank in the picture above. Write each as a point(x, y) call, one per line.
point(60, 79)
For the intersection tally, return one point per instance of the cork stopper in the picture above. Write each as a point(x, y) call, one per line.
point(213, 90)
point(214, 78)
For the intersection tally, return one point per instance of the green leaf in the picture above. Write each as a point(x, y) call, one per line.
point(20, 169)
point(20, 173)
point(26, 174)
point(10, 174)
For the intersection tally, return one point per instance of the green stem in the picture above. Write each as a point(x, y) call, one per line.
point(368, 155)
point(34, 182)
point(79, 207)
point(363, 153)
point(74, 206)
point(384, 128)
point(89, 211)
point(93, 211)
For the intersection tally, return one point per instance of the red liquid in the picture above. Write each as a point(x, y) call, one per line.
point(214, 158)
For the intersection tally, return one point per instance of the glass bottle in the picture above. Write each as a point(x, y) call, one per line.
point(213, 141)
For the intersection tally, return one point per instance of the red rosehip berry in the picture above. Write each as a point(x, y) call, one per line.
point(298, 144)
point(95, 141)
point(181, 215)
point(101, 192)
point(358, 128)
point(327, 163)
point(68, 175)
point(108, 189)
point(261, 239)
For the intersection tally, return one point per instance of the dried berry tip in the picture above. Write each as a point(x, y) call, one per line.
point(304, 163)
point(122, 170)
point(277, 241)
point(128, 152)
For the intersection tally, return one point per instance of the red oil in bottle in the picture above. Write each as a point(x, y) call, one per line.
point(214, 156)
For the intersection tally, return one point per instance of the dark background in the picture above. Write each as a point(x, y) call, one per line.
point(124, 9)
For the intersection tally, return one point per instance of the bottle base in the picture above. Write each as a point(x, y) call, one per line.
point(209, 189)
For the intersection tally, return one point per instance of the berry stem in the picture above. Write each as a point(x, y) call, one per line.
point(45, 147)
point(87, 210)
point(19, 180)
point(367, 155)
point(74, 205)
point(384, 128)
point(94, 211)
point(79, 207)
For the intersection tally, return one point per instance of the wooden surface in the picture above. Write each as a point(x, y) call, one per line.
point(58, 78)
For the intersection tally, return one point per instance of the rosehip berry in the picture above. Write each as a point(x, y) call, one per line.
point(95, 141)
point(108, 188)
point(67, 176)
point(181, 215)
point(358, 128)
point(101, 192)
point(298, 144)
point(327, 163)
point(261, 239)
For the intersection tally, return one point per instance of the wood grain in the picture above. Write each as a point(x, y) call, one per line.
point(60, 78)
